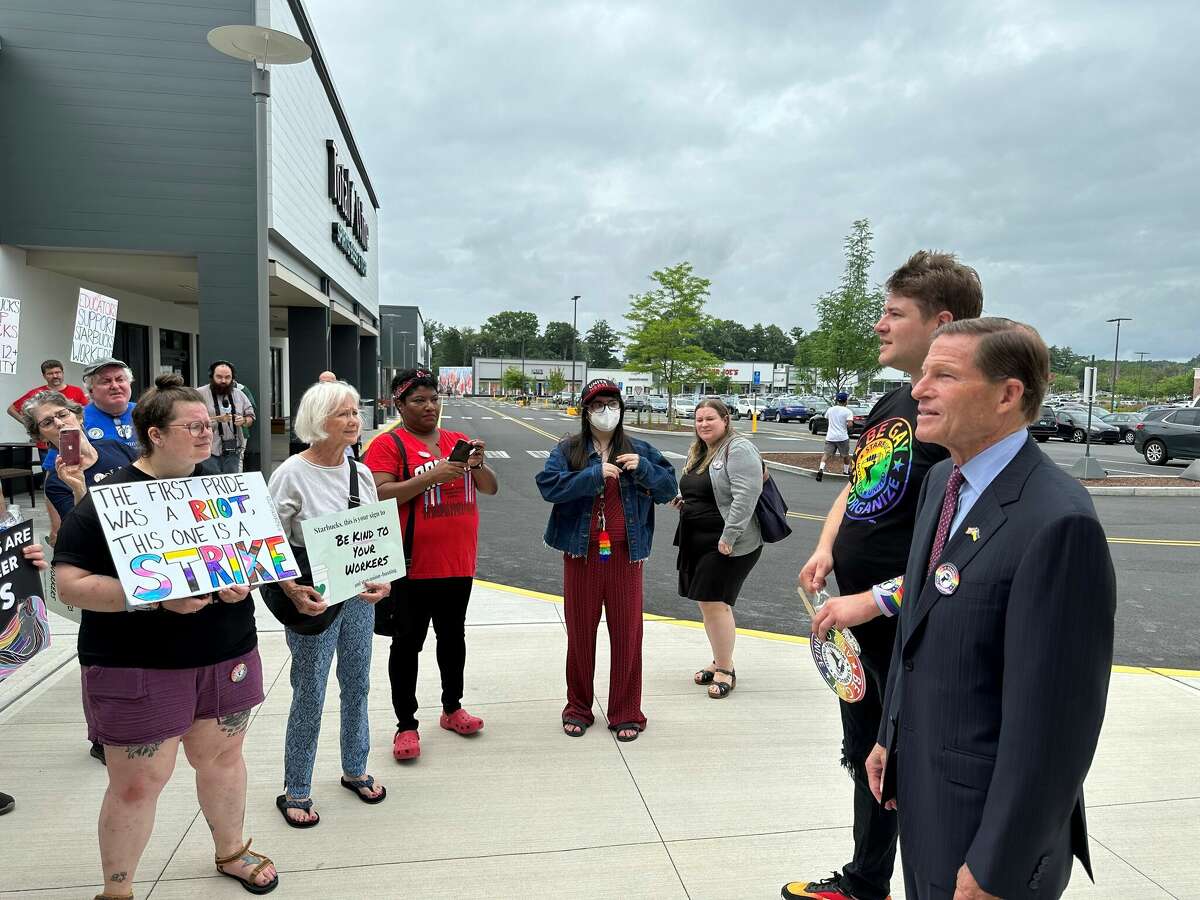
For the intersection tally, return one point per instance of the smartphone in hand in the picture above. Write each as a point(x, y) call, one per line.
point(68, 446)
point(461, 452)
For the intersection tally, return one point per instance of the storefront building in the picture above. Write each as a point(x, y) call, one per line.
point(488, 375)
point(402, 343)
point(131, 172)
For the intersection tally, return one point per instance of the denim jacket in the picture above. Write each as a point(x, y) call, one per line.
point(573, 494)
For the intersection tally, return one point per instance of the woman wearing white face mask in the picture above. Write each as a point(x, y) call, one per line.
point(604, 485)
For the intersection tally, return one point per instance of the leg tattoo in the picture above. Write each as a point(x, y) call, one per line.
point(119, 877)
point(234, 724)
point(142, 750)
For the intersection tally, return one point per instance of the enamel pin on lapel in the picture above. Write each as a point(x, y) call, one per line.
point(945, 579)
point(973, 533)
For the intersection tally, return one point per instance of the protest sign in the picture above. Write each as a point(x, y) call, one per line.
point(10, 327)
point(95, 327)
point(184, 537)
point(24, 629)
point(347, 549)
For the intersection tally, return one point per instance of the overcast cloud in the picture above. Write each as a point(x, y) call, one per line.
point(525, 152)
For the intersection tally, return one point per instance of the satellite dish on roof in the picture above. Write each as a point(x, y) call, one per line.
point(264, 46)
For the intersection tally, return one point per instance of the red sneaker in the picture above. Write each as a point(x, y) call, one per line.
point(461, 721)
point(406, 744)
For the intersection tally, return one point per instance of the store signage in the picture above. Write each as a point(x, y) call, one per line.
point(347, 201)
point(341, 237)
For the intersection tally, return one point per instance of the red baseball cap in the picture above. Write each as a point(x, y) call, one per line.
point(598, 386)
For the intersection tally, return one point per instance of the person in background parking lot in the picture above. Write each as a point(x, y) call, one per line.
point(865, 544)
point(837, 436)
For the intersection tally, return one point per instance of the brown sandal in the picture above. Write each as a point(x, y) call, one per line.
point(250, 886)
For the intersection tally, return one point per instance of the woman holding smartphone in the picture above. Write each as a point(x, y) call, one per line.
point(177, 672)
point(434, 475)
point(604, 485)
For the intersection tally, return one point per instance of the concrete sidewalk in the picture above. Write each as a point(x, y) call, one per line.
point(718, 800)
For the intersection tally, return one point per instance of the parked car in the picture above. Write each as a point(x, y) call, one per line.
point(770, 412)
point(731, 402)
point(657, 404)
point(820, 425)
point(1168, 434)
point(636, 403)
point(1073, 427)
point(793, 409)
point(684, 407)
point(1125, 422)
point(1045, 427)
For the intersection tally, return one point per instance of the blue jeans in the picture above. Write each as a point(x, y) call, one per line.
point(350, 637)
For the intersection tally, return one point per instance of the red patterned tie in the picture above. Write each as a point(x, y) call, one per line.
point(949, 505)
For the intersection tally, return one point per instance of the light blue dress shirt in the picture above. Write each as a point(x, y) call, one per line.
point(981, 470)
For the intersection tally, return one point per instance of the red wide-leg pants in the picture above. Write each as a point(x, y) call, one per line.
point(614, 585)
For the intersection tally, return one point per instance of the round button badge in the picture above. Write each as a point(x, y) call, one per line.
point(238, 674)
point(837, 659)
point(945, 579)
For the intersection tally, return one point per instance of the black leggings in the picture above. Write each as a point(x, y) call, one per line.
point(417, 602)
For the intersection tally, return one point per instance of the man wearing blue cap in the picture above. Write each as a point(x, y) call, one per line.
point(837, 438)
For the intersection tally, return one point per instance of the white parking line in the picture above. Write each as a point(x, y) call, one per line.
point(486, 418)
point(497, 454)
point(671, 454)
point(539, 454)
point(464, 417)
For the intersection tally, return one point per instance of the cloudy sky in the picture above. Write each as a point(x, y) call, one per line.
point(527, 151)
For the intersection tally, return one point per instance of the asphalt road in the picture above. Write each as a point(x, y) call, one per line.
point(1153, 540)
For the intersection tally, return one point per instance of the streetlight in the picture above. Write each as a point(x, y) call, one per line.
point(1116, 348)
point(261, 47)
point(574, 332)
point(1141, 355)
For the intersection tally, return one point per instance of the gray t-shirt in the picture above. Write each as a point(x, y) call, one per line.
point(304, 490)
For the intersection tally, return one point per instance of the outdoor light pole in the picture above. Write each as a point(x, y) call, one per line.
point(261, 47)
point(1141, 355)
point(574, 333)
point(1116, 349)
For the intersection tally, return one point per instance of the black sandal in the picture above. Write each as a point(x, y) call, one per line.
point(283, 804)
point(704, 676)
point(578, 723)
point(627, 726)
point(366, 783)
point(723, 688)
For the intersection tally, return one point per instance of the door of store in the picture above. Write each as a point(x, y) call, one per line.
point(175, 353)
point(131, 345)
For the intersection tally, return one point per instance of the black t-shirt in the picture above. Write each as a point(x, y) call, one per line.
point(147, 639)
point(885, 481)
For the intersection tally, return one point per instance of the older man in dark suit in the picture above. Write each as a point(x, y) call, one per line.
point(1000, 673)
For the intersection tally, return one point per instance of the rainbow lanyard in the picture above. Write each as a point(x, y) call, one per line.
point(604, 540)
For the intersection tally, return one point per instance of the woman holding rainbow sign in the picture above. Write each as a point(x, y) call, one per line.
point(197, 658)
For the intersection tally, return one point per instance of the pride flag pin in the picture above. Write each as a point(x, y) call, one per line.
point(973, 532)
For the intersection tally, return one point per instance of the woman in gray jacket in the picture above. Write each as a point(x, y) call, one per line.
point(718, 538)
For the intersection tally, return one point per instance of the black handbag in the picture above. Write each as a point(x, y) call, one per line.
point(385, 609)
point(282, 607)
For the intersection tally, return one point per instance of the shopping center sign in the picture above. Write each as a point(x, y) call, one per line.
point(347, 201)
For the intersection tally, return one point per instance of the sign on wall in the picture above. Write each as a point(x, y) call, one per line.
point(351, 548)
point(350, 209)
point(184, 537)
point(456, 380)
point(10, 327)
point(95, 327)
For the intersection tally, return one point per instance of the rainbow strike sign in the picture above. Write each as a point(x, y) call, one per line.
point(183, 537)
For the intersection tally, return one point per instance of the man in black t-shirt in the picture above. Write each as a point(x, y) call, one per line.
point(865, 543)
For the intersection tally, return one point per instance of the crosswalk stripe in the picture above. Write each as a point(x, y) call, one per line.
point(447, 417)
point(464, 417)
point(539, 454)
point(497, 454)
point(486, 418)
point(671, 454)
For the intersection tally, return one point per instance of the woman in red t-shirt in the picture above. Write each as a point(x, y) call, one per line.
point(440, 522)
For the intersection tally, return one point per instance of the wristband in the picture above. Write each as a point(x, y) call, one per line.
point(889, 595)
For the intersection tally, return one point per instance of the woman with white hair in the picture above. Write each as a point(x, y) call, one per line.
point(316, 482)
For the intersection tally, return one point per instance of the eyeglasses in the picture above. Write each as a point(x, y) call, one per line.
point(63, 415)
point(601, 405)
point(196, 428)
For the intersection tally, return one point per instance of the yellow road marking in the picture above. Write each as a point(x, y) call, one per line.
point(1153, 542)
point(805, 516)
point(532, 428)
point(796, 639)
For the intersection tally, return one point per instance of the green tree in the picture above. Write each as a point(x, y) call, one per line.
point(845, 347)
point(556, 381)
point(1066, 360)
point(600, 346)
point(774, 345)
point(1063, 383)
point(556, 341)
point(664, 324)
point(722, 384)
point(507, 330)
point(449, 349)
point(514, 382)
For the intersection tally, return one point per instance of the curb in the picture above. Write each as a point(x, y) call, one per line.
point(804, 473)
point(1143, 491)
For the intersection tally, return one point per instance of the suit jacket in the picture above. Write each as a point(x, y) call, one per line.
point(997, 691)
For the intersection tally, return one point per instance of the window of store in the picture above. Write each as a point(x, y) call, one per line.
point(131, 344)
point(175, 353)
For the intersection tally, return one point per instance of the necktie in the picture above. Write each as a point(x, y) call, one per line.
point(949, 505)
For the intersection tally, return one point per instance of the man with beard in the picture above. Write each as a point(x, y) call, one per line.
point(56, 380)
point(229, 411)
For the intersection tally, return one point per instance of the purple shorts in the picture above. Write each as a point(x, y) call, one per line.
point(126, 707)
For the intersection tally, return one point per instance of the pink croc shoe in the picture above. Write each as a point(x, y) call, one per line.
point(461, 722)
point(407, 744)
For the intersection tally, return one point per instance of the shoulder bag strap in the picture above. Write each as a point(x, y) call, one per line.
point(412, 504)
point(354, 496)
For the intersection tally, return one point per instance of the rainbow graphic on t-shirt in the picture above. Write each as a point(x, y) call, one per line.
point(882, 464)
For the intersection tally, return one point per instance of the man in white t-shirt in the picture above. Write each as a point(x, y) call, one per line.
point(837, 440)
